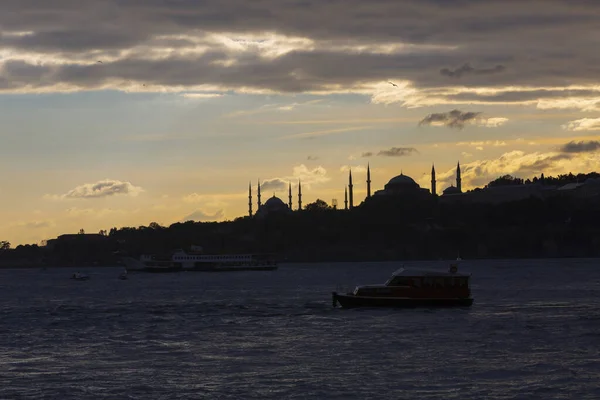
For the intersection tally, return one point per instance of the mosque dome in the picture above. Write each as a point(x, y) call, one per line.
point(275, 203)
point(401, 184)
point(403, 180)
point(451, 190)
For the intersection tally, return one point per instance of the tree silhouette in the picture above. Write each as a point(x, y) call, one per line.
point(506, 180)
point(318, 205)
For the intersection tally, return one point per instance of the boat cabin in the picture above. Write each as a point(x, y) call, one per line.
point(420, 283)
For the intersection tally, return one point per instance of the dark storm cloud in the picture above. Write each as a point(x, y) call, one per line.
point(529, 44)
point(397, 152)
point(466, 69)
point(109, 22)
point(452, 119)
point(581, 147)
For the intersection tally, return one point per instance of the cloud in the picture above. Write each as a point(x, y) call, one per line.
point(353, 168)
point(584, 124)
point(290, 47)
point(583, 103)
point(397, 152)
point(300, 173)
point(492, 122)
point(579, 97)
point(202, 95)
point(270, 108)
point(519, 163)
point(314, 134)
point(392, 152)
point(309, 177)
point(452, 119)
point(495, 143)
point(466, 69)
point(213, 201)
point(292, 106)
point(273, 184)
point(312, 158)
point(77, 213)
point(580, 147)
point(202, 216)
point(104, 188)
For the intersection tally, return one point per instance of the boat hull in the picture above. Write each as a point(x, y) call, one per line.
point(160, 270)
point(352, 301)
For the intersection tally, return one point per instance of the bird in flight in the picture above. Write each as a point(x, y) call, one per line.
point(100, 62)
point(392, 83)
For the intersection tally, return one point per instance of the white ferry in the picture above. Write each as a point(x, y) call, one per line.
point(196, 260)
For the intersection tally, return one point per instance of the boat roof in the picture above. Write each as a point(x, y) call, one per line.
point(425, 272)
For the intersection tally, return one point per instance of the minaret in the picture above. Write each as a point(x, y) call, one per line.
point(350, 192)
point(433, 191)
point(458, 180)
point(250, 199)
point(290, 196)
point(299, 195)
point(345, 198)
point(258, 204)
point(368, 181)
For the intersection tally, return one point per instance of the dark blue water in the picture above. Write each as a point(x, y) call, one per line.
point(533, 333)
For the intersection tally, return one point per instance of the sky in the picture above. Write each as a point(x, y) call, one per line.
point(121, 113)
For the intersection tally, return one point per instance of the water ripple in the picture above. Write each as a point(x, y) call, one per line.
point(532, 333)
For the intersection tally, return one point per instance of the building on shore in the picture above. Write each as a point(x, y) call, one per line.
point(273, 205)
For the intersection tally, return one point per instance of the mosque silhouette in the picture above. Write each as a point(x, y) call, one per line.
point(399, 186)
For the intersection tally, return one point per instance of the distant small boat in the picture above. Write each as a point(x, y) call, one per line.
point(80, 277)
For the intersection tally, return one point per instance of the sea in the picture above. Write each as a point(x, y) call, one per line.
point(533, 332)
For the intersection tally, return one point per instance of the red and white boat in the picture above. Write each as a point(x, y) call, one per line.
point(412, 288)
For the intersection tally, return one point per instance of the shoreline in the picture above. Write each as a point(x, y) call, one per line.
point(294, 262)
